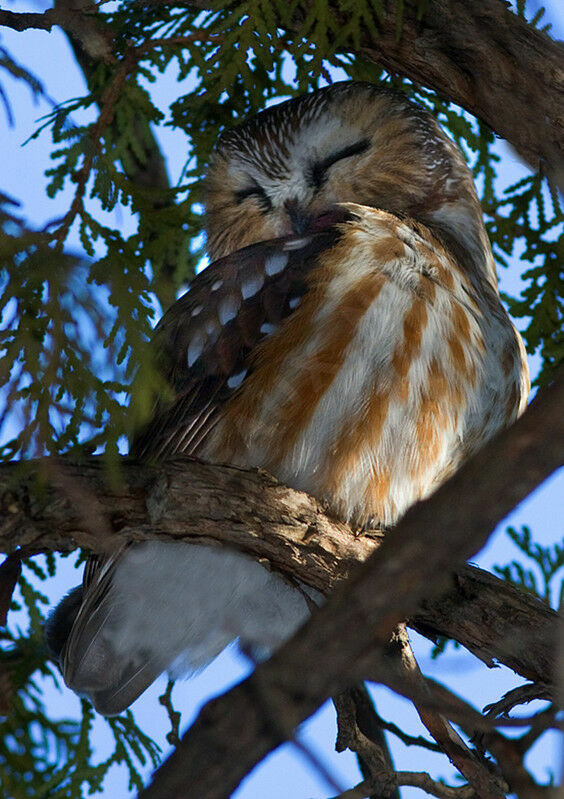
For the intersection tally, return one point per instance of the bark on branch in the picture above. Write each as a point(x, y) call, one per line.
point(44, 21)
point(185, 499)
point(236, 731)
point(488, 60)
point(55, 504)
point(190, 500)
point(476, 53)
point(479, 55)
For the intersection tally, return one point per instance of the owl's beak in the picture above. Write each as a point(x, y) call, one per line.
point(300, 219)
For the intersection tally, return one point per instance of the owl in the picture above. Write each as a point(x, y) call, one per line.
point(348, 337)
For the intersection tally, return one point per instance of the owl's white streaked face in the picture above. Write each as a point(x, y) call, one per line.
point(318, 158)
point(351, 142)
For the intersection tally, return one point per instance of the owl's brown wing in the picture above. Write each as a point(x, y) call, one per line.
point(203, 344)
point(205, 339)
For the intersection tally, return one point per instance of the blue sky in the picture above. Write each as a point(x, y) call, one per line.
point(286, 773)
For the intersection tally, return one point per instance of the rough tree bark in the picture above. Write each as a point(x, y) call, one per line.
point(476, 53)
point(481, 56)
point(339, 646)
point(185, 499)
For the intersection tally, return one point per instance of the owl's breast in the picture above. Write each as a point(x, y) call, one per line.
point(375, 388)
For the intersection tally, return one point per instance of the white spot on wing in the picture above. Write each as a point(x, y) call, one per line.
point(195, 349)
point(267, 328)
point(250, 287)
point(228, 309)
point(212, 330)
point(198, 309)
point(217, 285)
point(294, 302)
point(275, 263)
point(236, 380)
point(296, 244)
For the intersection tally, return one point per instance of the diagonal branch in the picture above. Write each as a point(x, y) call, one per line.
point(232, 734)
point(488, 60)
point(475, 770)
point(42, 507)
point(476, 53)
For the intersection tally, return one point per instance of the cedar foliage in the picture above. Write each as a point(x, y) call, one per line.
point(76, 329)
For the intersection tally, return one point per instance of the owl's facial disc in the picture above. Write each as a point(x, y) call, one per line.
point(291, 202)
point(282, 170)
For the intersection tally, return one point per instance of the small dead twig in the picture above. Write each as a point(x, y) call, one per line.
point(518, 696)
point(40, 21)
point(404, 737)
point(359, 731)
point(429, 785)
point(485, 783)
point(173, 737)
point(413, 779)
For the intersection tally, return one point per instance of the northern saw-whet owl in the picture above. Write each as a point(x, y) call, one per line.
point(348, 337)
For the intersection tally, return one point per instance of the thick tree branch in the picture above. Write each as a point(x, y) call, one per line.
point(253, 512)
point(476, 53)
point(492, 616)
point(236, 731)
point(57, 504)
point(486, 59)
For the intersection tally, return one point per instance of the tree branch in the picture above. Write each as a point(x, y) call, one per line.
point(416, 779)
point(32, 20)
point(493, 615)
point(475, 770)
point(195, 501)
point(232, 733)
point(359, 729)
point(55, 504)
point(508, 752)
point(479, 55)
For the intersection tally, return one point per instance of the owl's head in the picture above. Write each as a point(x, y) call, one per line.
point(350, 142)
